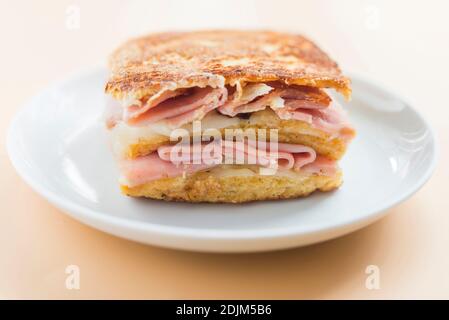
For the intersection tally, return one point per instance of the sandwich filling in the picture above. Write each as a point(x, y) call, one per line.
point(170, 109)
point(225, 107)
point(230, 157)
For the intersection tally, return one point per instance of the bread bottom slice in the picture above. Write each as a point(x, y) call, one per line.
point(289, 131)
point(204, 187)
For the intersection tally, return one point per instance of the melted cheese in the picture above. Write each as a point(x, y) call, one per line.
point(123, 135)
point(253, 170)
point(253, 90)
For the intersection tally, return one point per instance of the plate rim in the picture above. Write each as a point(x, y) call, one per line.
point(75, 210)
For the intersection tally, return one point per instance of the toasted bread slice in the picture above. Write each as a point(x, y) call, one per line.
point(289, 131)
point(168, 61)
point(208, 187)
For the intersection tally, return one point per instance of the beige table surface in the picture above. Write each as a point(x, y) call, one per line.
point(404, 44)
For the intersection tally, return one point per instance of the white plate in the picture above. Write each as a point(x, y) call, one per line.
point(58, 145)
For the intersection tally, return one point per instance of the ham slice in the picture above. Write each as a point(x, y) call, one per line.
point(173, 161)
point(183, 109)
point(332, 119)
point(241, 100)
point(138, 108)
point(239, 153)
point(174, 108)
point(152, 167)
point(260, 96)
point(308, 104)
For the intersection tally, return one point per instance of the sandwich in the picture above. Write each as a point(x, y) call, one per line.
point(226, 116)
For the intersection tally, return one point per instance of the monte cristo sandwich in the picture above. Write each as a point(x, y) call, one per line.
point(226, 116)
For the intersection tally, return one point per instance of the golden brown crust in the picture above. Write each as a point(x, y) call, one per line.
point(203, 187)
point(146, 65)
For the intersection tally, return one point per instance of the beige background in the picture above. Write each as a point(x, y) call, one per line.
point(403, 44)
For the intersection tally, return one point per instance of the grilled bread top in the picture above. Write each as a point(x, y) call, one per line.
point(167, 61)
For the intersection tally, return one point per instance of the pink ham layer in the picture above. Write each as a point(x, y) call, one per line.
point(158, 165)
point(177, 108)
point(322, 115)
